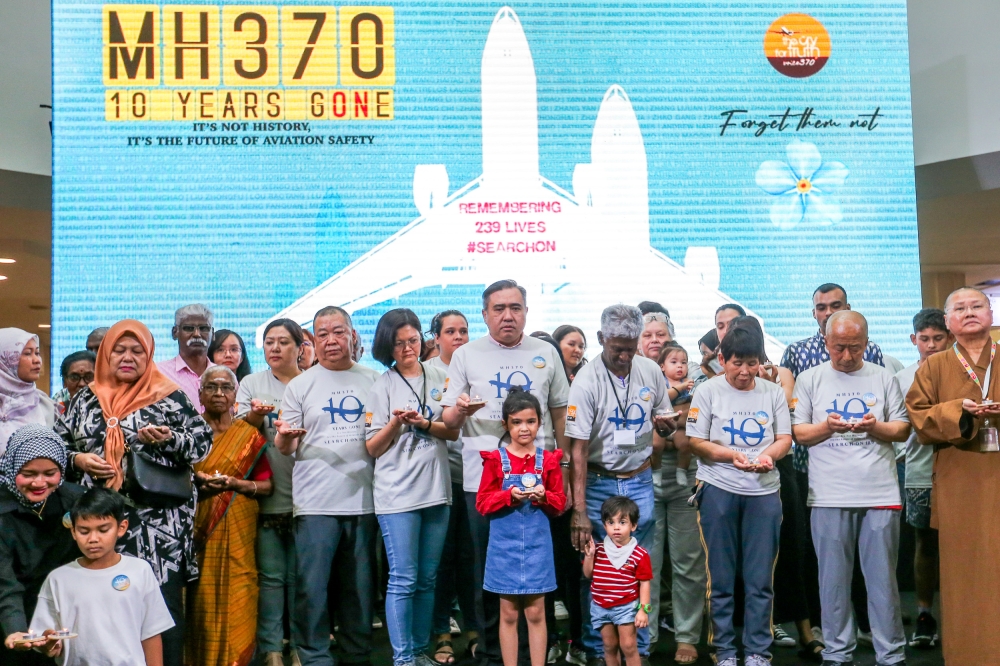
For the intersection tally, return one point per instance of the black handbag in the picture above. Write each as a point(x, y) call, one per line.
point(153, 484)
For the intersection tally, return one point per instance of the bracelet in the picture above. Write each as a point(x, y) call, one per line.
point(639, 606)
point(254, 489)
point(565, 464)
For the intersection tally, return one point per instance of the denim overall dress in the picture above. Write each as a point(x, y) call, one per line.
point(519, 557)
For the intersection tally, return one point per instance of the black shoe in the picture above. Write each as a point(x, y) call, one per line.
point(925, 636)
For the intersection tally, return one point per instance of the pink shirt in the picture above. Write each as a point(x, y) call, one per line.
point(189, 380)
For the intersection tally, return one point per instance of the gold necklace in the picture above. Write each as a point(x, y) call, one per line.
point(40, 509)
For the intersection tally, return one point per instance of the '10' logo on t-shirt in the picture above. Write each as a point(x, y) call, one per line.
point(511, 382)
point(751, 437)
point(350, 409)
point(846, 412)
point(629, 420)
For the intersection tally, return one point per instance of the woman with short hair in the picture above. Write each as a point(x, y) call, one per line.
point(76, 370)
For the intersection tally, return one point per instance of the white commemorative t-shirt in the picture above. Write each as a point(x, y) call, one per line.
point(746, 421)
point(265, 386)
point(454, 448)
point(413, 472)
point(919, 457)
point(845, 473)
point(487, 369)
point(619, 442)
point(112, 610)
point(332, 475)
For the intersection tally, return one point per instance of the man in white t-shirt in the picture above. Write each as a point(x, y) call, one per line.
point(322, 423)
point(849, 413)
point(930, 335)
point(616, 402)
point(739, 427)
point(479, 376)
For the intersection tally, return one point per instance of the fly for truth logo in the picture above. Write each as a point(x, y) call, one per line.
point(750, 432)
point(349, 410)
point(797, 45)
point(635, 417)
point(516, 378)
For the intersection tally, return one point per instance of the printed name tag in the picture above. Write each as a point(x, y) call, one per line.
point(624, 437)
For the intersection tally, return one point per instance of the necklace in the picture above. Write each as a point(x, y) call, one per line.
point(40, 509)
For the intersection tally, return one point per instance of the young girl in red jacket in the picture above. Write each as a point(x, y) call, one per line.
point(522, 485)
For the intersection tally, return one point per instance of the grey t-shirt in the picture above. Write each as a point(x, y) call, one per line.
point(333, 471)
point(265, 386)
point(919, 457)
point(618, 442)
point(454, 448)
point(487, 369)
point(846, 473)
point(746, 421)
point(413, 472)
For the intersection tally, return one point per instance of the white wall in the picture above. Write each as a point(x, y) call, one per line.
point(954, 70)
point(955, 78)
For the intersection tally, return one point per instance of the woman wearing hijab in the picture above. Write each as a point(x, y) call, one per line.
point(34, 539)
point(20, 401)
point(132, 404)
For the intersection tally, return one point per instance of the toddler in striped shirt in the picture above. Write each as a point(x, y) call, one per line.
point(620, 571)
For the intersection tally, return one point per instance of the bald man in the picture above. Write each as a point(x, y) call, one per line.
point(848, 413)
point(946, 407)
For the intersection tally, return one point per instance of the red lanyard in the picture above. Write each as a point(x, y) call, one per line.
point(972, 373)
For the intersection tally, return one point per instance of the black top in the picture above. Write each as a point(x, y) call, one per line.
point(30, 548)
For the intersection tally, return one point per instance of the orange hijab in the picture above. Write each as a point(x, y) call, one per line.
point(118, 400)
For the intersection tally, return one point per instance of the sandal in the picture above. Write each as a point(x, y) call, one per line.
point(471, 649)
point(686, 655)
point(445, 648)
point(809, 652)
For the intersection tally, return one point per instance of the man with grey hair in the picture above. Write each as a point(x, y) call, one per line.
point(479, 377)
point(193, 332)
point(849, 413)
point(616, 403)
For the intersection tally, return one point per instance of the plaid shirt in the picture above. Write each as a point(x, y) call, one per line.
point(804, 354)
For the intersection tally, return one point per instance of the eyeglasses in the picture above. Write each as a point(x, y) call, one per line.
point(76, 378)
point(204, 330)
point(218, 388)
point(403, 344)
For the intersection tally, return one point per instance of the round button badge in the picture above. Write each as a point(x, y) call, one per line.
point(120, 583)
point(645, 393)
point(869, 399)
point(538, 362)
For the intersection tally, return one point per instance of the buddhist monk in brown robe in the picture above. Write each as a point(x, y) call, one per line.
point(946, 409)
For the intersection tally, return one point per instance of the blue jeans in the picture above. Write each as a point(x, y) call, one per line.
point(456, 570)
point(413, 543)
point(320, 543)
point(276, 565)
point(639, 489)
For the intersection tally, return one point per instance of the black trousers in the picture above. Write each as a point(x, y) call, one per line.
point(173, 639)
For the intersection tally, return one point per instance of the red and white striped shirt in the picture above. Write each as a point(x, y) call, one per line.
point(612, 587)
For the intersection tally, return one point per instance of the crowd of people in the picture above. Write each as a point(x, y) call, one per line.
point(193, 512)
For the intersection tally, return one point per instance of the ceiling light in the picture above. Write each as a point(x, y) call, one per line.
point(4, 260)
point(45, 326)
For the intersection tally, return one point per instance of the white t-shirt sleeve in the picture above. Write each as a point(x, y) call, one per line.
point(377, 406)
point(662, 399)
point(802, 400)
point(457, 382)
point(46, 614)
point(291, 406)
point(782, 417)
point(699, 418)
point(243, 398)
point(559, 391)
point(895, 404)
point(581, 409)
point(156, 618)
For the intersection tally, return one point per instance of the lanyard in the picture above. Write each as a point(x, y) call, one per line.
point(421, 400)
point(614, 389)
point(985, 388)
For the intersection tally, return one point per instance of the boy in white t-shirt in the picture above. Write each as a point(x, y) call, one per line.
point(111, 602)
point(738, 426)
point(849, 413)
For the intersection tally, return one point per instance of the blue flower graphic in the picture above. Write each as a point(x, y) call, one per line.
point(802, 187)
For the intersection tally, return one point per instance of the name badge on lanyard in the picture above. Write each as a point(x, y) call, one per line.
point(624, 437)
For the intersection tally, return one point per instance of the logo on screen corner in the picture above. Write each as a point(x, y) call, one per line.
point(797, 45)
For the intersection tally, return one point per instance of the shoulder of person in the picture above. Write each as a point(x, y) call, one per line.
point(435, 373)
point(551, 458)
point(305, 378)
point(876, 370)
point(645, 365)
point(908, 372)
point(809, 375)
point(8, 503)
point(639, 553)
point(70, 492)
point(180, 398)
point(493, 454)
point(365, 371)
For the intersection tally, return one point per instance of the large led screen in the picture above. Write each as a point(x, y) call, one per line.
point(270, 159)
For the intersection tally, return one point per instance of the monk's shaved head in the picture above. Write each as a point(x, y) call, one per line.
point(964, 291)
point(847, 322)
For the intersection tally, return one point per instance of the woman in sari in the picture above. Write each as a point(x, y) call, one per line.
point(223, 616)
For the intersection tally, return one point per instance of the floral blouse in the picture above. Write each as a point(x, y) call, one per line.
point(162, 537)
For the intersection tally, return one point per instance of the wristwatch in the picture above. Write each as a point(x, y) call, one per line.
point(644, 607)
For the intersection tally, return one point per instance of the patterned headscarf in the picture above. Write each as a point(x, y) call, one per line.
point(18, 398)
point(29, 443)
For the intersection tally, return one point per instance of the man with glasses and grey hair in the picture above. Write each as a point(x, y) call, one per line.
point(193, 332)
point(615, 404)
